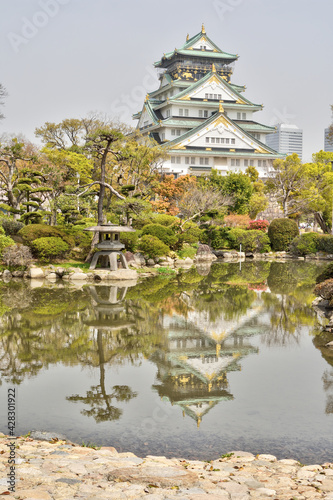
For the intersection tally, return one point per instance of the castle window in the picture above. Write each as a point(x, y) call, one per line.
point(206, 161)
point(173, 159)
point(167, 113)
point(207, 140)
point(213, 140)
point(178, 132)
point(192, 160)
point(222, 140)
point(232, 162)
point(239, 115)
point(264, 163)
point(227, 141)
point(173, 131)
point(186, 112)
point(187, 160)
point(259, 163)
point(243, 116)
point(206, 96)
point(217, 140)
point(237, 163)
point(246, 163)
point(233, 141)
point(178, 159)
point(205, 113)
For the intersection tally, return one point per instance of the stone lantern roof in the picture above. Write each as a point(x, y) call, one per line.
point(110, 228)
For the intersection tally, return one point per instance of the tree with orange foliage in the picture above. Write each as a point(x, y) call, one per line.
point(169, 191)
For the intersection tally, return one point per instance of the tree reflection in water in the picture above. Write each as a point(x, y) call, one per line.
point(194, 326)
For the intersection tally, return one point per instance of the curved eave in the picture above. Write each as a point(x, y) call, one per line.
point(203, 152)
point(197, 53)
point(256, 144)
point(204, 79)
point(212, 104)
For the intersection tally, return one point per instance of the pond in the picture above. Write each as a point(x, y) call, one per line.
point(194, 365)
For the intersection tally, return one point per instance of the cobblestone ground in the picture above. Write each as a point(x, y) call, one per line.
point(60, 470)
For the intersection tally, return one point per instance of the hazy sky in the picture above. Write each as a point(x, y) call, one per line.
point(65, 58)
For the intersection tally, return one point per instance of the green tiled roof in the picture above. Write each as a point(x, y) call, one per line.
point(185, 50)
point(207, 123)
point(254, 126)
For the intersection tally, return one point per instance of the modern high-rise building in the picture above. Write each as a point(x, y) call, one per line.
point(204, 120)
point(286, 139)
point(328, 146)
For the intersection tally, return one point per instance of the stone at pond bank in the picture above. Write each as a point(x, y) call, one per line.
point(56, 469)
point(204, 253)
point(35, 273)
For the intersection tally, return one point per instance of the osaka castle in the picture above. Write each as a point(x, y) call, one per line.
point(204, 120)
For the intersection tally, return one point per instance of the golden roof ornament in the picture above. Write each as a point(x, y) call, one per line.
point(221, 109)
point(147, 98)
point(203, 29)
point(187, 37)
point(213, 68)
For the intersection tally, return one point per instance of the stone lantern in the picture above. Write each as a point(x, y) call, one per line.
point(109, 245)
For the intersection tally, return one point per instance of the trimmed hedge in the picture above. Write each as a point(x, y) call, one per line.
point(49, 247)
point(130, 240)
point(304, 244)
point(218, 237)
point(165, 219)
point(252, 240)
point(325, 243)
point(281, 232)
point(34, 231)
point(153, 247)
point(163, 233)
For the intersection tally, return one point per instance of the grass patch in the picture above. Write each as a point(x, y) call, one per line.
point(166, 271)
point(90, 445)
point(187, 251)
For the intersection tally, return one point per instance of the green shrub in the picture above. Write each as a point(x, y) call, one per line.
point(11, 226)
point(17, 256)
point(304, 244)
point(130, 240)
point(5, 241)
point(326, 274)
point(34, 231)
point(153, 247)
point(252, 240)
point(192, 234)
point(49, 248)
point(78, 237)
point(163, 233)
point(219, 237)
point(325, 243)
point(165, 219)
point(281, 232)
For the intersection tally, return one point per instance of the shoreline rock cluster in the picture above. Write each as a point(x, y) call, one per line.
point(59, 470)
